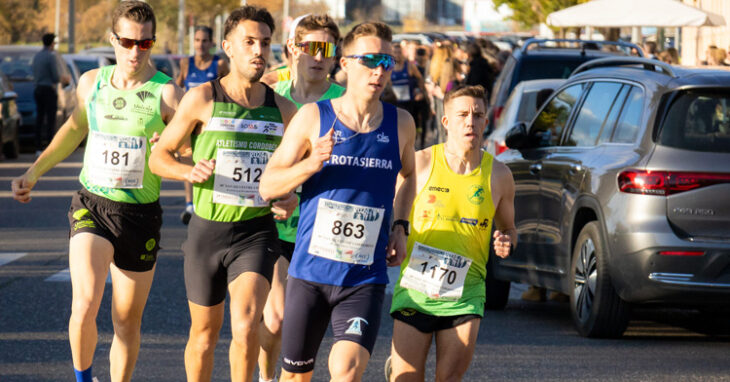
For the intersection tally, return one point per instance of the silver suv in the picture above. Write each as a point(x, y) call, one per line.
point(623, 193)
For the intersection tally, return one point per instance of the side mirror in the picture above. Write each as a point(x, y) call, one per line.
point(516, 137)
point(9, 95)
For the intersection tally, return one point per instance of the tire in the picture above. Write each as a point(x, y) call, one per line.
point(497, 291)
point(596, 309)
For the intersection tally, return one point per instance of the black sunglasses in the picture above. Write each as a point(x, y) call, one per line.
point(129, 43)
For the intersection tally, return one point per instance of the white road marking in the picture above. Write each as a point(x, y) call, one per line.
point(6, 257)
point(65, 276)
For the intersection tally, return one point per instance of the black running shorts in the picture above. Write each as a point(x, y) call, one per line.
point(287, 249)
point(133, 229)
point(218, 252)
point(427, 323)
point(354, 311)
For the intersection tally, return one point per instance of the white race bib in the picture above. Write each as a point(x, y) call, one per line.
point(402, 92)
point(346, 232)
point(237, 176)
point(115, 161)
point(436, 273)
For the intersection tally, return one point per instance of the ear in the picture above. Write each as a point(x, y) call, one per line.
point(445, 122)
point(111, 39)
point(293, 51)
point(227, 47)
point(343, 63)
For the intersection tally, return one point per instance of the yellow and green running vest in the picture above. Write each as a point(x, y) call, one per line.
point(241, 141)
point(448, 247)
point(288, 228)
point(121, 123)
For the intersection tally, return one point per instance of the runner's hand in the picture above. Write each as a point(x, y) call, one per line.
point(202, 171)
point(21, 187)
point(502, 244)
point(396, 251)
point(283, 208)
point(155, 138)
point(322, 150)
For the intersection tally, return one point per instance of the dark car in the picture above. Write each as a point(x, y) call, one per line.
point(540, 59)
point(15, 62)
point(622, 196)
point(9, 119)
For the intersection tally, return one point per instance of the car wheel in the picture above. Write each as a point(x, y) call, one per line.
point(497, 291)
point(596, 309)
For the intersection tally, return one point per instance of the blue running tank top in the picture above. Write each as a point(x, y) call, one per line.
point(402, 84)
point(197, 77)
point(346, 206)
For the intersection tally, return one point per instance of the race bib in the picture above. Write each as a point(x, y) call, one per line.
point(237, 176)
point(402, 92)
point(346, 232)
point(436, 273)
point(115, 161)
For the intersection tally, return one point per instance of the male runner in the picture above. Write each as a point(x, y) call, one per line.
point(312, 50)
point(194, 71)
point(461, 192)
point(347, 154)
point(235, 123)
point(116, 217)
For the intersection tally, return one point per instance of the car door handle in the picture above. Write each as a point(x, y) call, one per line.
point(535, 168)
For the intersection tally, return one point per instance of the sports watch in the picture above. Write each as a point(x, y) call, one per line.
point(403, 223)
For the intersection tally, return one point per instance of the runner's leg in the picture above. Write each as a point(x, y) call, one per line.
point(454, 350)
point(408, 353)
point(248, 296)
point(347, 361)
point(89, 259)
point(129, 296)
point(270, 328)
point(205, 326)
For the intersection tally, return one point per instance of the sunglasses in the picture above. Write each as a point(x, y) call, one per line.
point(372, 61)
point(129, 43)
point(311, 48)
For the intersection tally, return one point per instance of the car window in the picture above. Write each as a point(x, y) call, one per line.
point(610, 123)
point(17, 65)
point(549, 124)
point(630, 122)
point(85, 65)
point(505, 77)
point(592, 114)
point(698, 121)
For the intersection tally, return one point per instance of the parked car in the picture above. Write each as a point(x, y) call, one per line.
point(106, 52)
point(539, 59)
point(521, 106)
point(623, 193)
point(82, 63)
point(15, 62)
point(166, 64)
point(10, 119)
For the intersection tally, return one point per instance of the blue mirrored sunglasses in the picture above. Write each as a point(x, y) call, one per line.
point(372, 61)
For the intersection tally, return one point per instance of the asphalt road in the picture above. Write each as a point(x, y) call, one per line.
point(526, 342)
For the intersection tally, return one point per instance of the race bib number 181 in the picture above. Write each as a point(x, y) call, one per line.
point(116, 161)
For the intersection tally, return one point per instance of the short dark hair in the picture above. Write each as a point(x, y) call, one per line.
point(374, 28)
point(205, 29)
point(248, 12)
point(314, 23)
point(474, 91)
point(48, 39)
point(134, 10)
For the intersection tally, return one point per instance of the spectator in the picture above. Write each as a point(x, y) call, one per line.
point(650, 50)
point(46, 75)
point(480, 71)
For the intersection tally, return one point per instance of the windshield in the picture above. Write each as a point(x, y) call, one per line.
point(698, 120)
point(16, 65)
point(85, 65)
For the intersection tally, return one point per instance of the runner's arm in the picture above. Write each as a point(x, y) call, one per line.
point(504, 216)
point(66, 140)
point(405, 191)
point(294, 161)
point(177, 135)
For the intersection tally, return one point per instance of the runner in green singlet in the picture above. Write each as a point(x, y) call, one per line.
point(116, 217)
point(312, 51)
point(234, 123)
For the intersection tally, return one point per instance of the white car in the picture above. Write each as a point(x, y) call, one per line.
point(521, 106)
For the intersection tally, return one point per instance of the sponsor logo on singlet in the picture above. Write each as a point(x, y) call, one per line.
point(364, 162)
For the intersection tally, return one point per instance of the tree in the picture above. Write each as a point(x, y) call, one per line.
point(532, 12)
point(18, 20)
